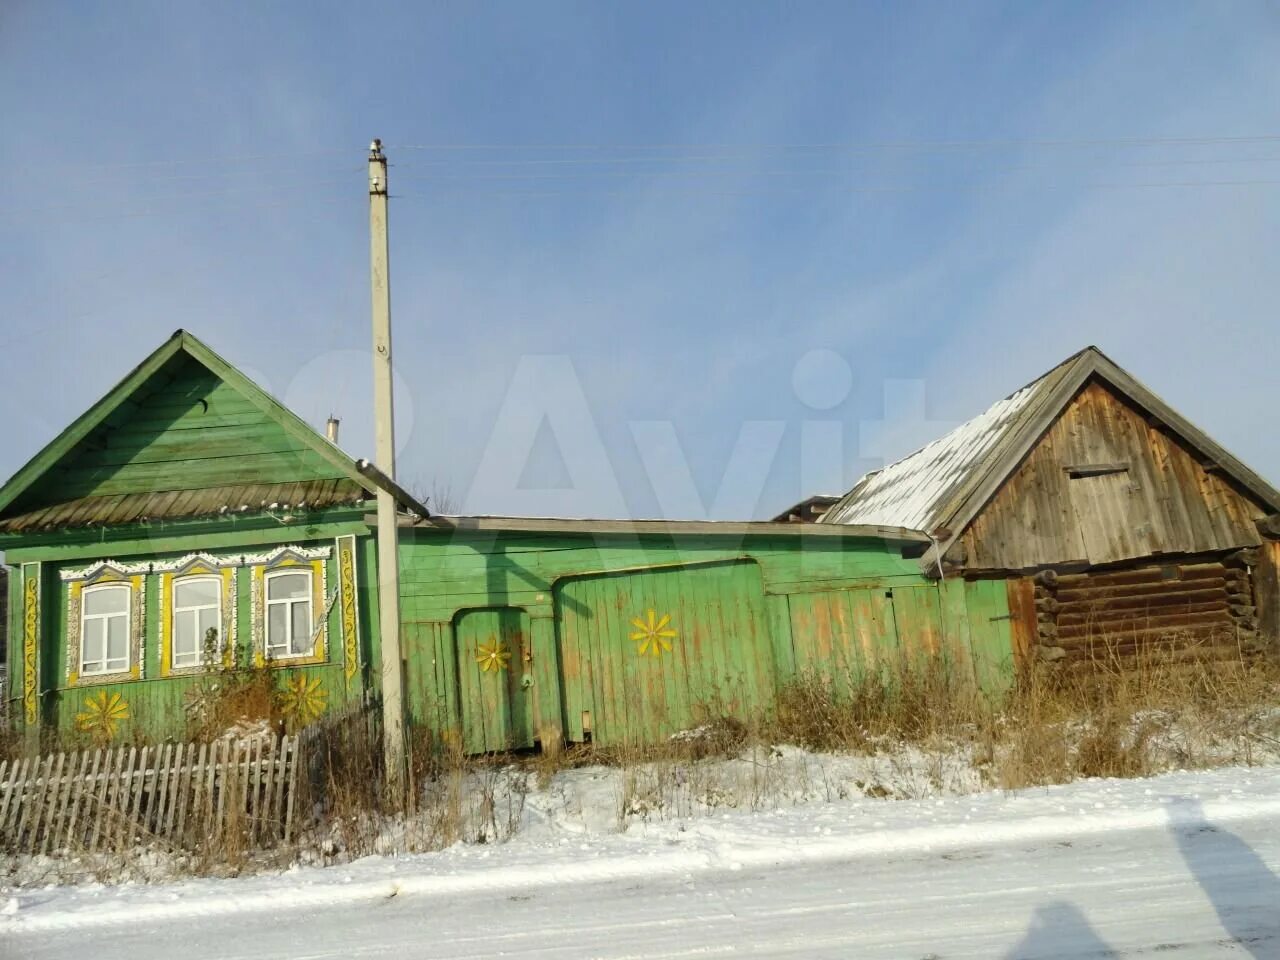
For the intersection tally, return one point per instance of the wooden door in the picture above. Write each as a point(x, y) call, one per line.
point(1100, 504)
point(495, 679)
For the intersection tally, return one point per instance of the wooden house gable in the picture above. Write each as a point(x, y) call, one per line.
point(1108, 482)
point(184, 435)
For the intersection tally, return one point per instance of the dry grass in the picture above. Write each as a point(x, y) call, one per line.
point(910, 729)
point(1108, 718)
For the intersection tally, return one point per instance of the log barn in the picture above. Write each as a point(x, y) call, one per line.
point(1115, 524)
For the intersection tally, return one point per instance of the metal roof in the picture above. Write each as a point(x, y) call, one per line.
point(186, 504)
point(914, 491)
point(941, 487)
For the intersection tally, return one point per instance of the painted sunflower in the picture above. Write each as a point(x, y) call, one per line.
point(493, 656)
point(102, 713)
point(654, 633)
point(303, 699)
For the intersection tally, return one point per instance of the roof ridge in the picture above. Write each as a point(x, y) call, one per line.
point(984, 411)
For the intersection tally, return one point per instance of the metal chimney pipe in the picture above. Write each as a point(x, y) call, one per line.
point(331, 430)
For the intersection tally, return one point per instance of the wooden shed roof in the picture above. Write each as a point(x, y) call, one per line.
point(942, 486)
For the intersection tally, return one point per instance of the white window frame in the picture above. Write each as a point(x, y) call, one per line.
point(268, 603)
point(176, 609)
point(85, 617)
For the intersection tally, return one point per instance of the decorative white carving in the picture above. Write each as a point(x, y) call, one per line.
point(182, 563)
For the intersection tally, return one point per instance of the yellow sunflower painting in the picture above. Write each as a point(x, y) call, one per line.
point(303, 699)
point(493, 656)
point(654, 633)
point(102, 713)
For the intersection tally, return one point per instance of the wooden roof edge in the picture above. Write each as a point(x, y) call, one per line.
point(945, 508)
point(711, 527)
point(1191, 434)
point(1077, 371)
point(398, 493)
point(84, 424)
point(956, 514)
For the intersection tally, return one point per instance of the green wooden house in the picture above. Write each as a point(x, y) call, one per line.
point(188, 523)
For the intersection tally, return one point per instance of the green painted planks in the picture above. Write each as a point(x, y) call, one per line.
point(841, 634)
point(179, 445)
point(987, 607)
point(714, 652)
point(184, 430)
point(916, 615)
point(496, 703)
point(74, 481)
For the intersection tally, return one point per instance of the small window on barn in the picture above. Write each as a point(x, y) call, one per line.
point(105, 629)
point(289, 630)
point(1078, 471)
point(197, 620)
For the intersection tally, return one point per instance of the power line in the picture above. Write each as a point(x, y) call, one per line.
point(586, 175)
point(188, 161)
point(266, 190)
point(855, 145)
point(617, 161)
point(878, 188)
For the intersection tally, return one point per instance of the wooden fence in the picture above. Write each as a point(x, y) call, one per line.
point(177, 796)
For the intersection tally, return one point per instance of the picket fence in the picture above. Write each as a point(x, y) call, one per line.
point(177, 796)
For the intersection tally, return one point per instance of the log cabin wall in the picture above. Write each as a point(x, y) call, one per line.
point(1104, 486)
point(1202, 608)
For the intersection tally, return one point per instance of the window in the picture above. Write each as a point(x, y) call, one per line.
point(197, 610)
point(288, 614)
point(104, 629)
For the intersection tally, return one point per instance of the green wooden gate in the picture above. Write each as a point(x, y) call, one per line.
point(647, 653)
point(493, 679)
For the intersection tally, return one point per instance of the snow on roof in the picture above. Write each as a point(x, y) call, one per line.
point(915, 491)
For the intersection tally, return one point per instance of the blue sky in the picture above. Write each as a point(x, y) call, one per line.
point(667, 206)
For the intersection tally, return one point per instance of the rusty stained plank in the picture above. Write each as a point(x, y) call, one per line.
point(1022, 619)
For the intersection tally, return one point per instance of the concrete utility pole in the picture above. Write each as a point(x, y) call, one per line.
point(385, 451)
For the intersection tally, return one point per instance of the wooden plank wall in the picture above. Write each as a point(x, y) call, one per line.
point(173, 796)
point(1266, 588)
point(1165, 502)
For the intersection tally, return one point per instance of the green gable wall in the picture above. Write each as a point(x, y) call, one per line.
point(184, 429)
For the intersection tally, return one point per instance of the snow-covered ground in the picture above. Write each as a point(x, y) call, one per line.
point(1185, 863)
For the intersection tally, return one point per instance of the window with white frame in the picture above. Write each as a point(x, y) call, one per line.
point(104, 628)
point(197, 610)
point(289, 614)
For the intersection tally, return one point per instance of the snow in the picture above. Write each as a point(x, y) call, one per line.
point(1186, 860)
point(909, 492)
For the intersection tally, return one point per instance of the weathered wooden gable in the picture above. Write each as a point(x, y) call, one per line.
point(1106, 483)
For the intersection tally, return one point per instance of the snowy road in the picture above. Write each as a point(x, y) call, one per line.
point(1186, 866)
